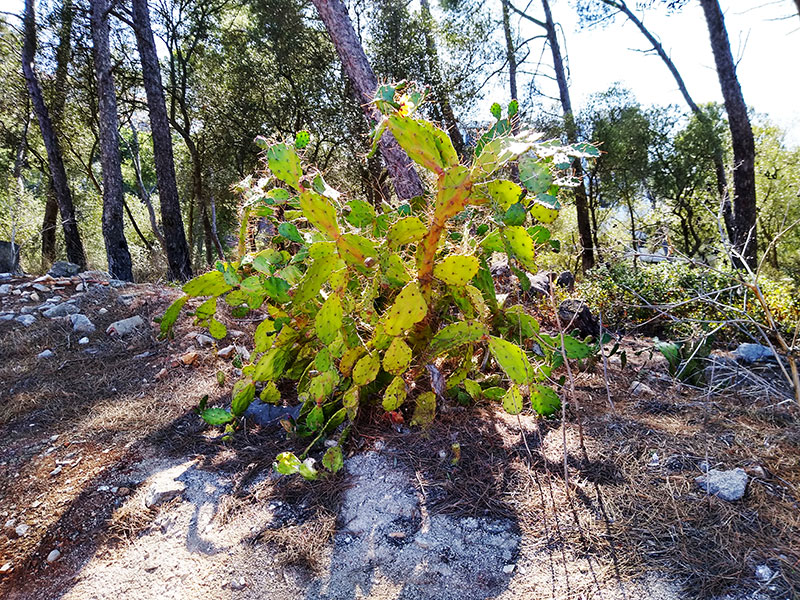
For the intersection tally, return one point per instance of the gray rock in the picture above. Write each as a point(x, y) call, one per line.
point(125, 326)
point(45, 354)
point(83, 341)
point(5, 289)
point(204, 340)
point(727, 485)
point(638, 389)
point(751, 353)
point(61, 310)
point(162, 490)
point(7, 316)
point(26, 320)
point(566, 280)
point(22, 529)
point(117, 283)
point(265, 414)
point(27, 310)
point(62, 268)
point(764, 573)
point(41, 288)
point(575, 314)
point(81, 324)
point(540, 283)
point(53, 556)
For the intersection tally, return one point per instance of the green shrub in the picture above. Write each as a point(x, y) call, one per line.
point(391, 304)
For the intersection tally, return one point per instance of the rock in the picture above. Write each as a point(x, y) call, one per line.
point(540, 283)
point(102, 311)
point(41, 288)
point(9, 257)
point(5, 289)
point(6, 568)
point(190, 358)
point(763, 573)
point(508, 569)
point(83, 341)
point(575, 314)
point(123, 491)
point(22, 529)
point(265, 414)
point(727, 485)
point(27, 310)
point(26, 320)
point(45, 354)
point(204, 340)
point(162, 490)
point(117, 283)
point(8, 316)
point(62, 268)
point(61, 310)
point(81, 324)
point(34, 297)
point(751, 353)
point(227, 352)
point(566, 280)
point(125, 326)
point(53, 556)
point(638, 388)
point(238, 583)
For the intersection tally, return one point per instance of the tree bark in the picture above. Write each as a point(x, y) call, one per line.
point(719, 162)
point(178, 254)
point(511, 56)
point(448, 115)
point(119, 258)
point(744, 153)
point(55, 159)
point(407, 183)
point(581, 202)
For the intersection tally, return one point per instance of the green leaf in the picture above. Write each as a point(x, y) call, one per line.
point(397, 357)
point(408, 309)
point(366, 369)
point(512, 401)
point(455, 335)
point(243, 393)
point(544, 400)
point(209, 284)
point(328, 321)
point(290, 232)
point(457, 269)
point(332, 459)
point(395, 394)
point(171, 315)
point(216, 416)
point(512, 360)
point(217, 329)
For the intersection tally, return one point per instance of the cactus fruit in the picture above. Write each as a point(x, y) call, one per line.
point(456, 270)
point(397, 357)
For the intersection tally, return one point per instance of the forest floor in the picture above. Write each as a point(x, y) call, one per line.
point(94, 433)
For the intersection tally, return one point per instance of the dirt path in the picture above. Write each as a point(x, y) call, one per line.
point(103, 461)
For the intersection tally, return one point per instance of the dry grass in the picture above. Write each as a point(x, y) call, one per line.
point(305, 544)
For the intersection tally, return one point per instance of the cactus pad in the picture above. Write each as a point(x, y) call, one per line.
point(301, 139)
point(504, 192)
point(512, 360)
point(521, 245)
point(320, 213)
point(366, 369)
point(408, 309)
point(542, 212)
point(285, 164)
point(395, 394)
point(397, 357)
point(457, 334)
point(456, 270)
point(406, 231)
point(544, 400)
point(355, 250)
point(328, 321)
point(425, 411)
point(512, 401)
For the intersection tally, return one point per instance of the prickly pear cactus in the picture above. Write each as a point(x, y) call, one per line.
point(390, 306)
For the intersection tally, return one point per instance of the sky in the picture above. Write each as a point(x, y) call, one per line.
point(765, 42)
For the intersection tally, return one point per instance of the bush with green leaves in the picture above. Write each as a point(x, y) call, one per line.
point(395, 304)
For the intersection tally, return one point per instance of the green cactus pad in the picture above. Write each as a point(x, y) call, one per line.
point(355, 249)
point(328, 321)
point(457, 334)
point(311, 283)
point(425, 144)
point(456, 270)
point(408, 230)
point(395, 394)
point(272, 364)
point(512, 401)
point(349, 360)
point(397, 357)
point(515, 215)
point(425, 411)
point(542, 212)
point(301, 139)
point(395, 271)
point(473, 388)
point(366, 369)
point(535, 175)
point(576, 349)
point(323, 189)
point(242, 395)
point(350, 401)
point(521, 245)
point(285, 164)
point(504, 192)
point(512, 360)
point(408, 309)
point(454, 190)
point(208, 284)
point(463, 370)
point(320, 213)
point(544, 400)
point(362, 214)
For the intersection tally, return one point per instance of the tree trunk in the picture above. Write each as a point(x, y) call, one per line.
point(744, 182)
point(55, 160)
point(178, 255)
point(119, 258)
point(407, 183)
point(581, 203)
point(511, 56)
point(144, 194)
point(448, 115)
point(719, 162)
